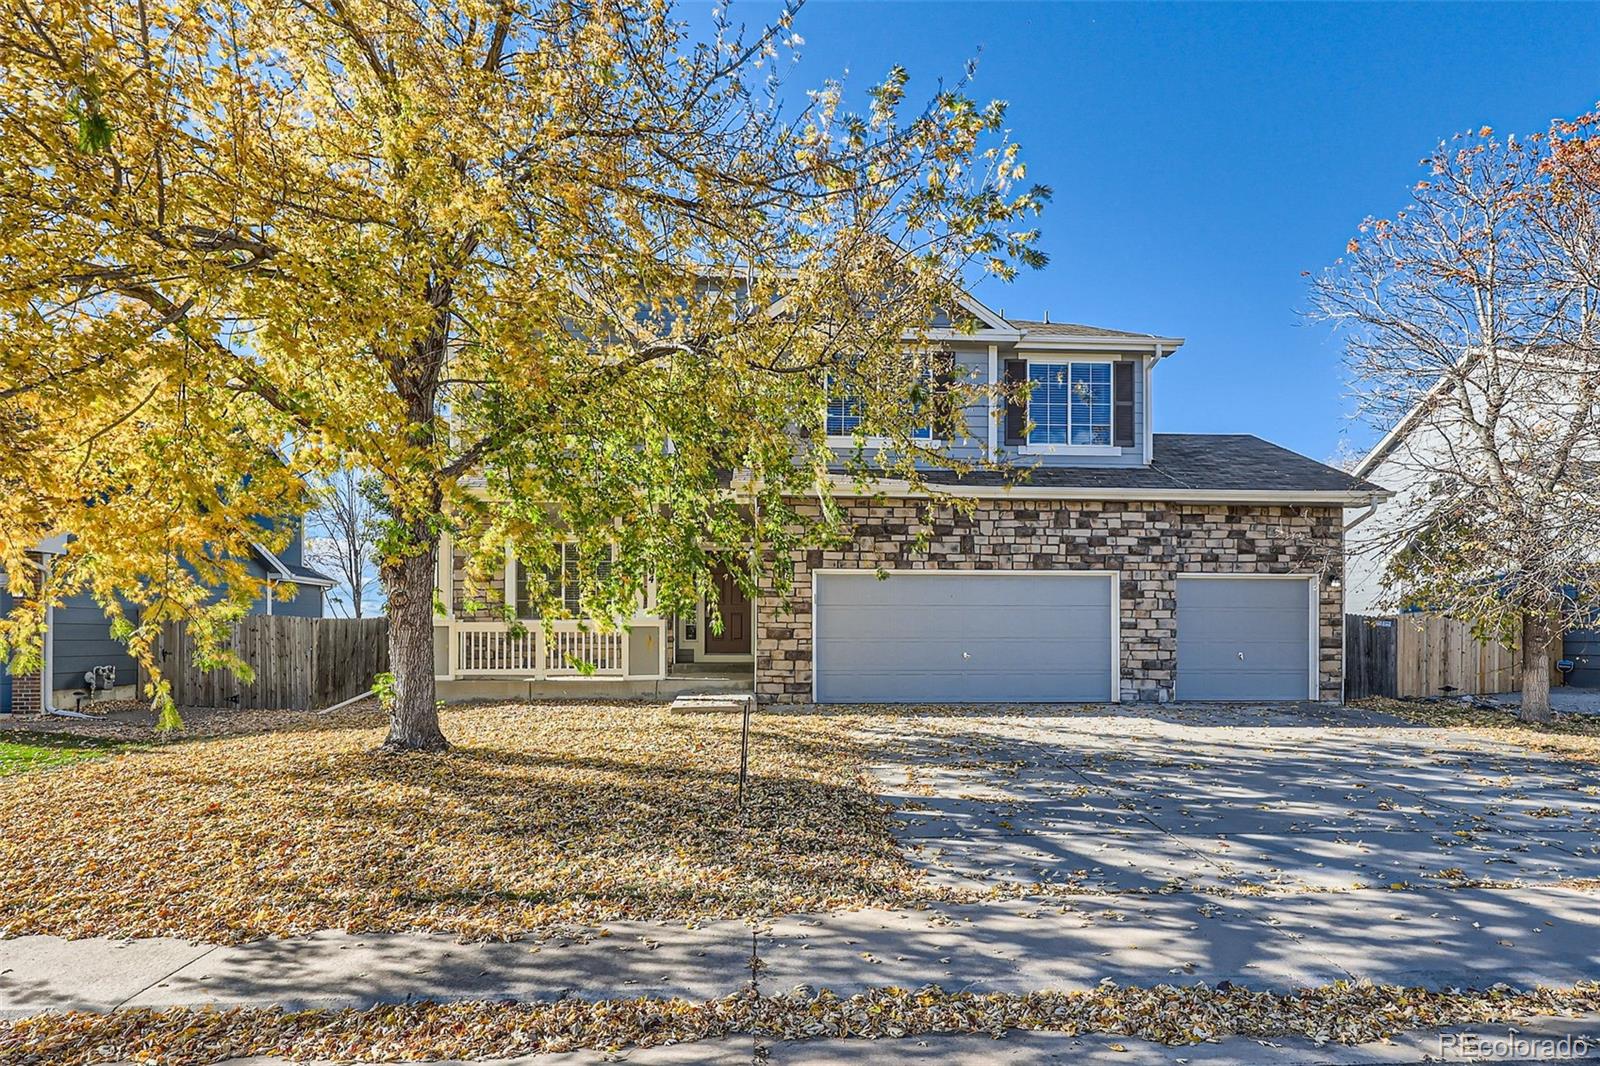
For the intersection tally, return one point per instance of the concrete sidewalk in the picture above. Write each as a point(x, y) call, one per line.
point(1442, 938)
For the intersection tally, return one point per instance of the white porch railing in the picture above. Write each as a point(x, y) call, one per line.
point(572, 649)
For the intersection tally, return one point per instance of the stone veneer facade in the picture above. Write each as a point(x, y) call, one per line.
point(1149, 543)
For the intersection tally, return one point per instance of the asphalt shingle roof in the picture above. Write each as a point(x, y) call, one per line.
point(1202, 462)
point(1073, 329)
point(307, 572)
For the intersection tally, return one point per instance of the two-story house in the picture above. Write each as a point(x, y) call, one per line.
point(1101, 562)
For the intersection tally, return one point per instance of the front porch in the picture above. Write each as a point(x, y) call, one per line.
point(485, 647)
point(576, 658)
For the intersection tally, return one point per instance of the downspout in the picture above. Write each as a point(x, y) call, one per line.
point(1344, 655)
point(1372, 509)
point(47, 683)
point(47, 671)
point(1150, 407)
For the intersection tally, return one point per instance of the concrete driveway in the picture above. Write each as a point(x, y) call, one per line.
point(1275, 847)
point(1231, 799)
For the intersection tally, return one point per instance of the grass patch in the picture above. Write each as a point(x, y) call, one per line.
point(1570, 736)
point(540, 816)
point(20, 751)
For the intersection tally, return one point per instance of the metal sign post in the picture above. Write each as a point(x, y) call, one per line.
point(744, 754)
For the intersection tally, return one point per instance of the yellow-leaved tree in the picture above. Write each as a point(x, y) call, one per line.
point(526, 264)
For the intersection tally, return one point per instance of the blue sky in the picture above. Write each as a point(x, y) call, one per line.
point(1203, 156)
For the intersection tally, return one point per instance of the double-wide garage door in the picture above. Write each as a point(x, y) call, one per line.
point(920, 636)
point(985, 637)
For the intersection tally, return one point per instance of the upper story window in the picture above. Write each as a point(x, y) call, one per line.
point(844, 409)
point(1070, 403)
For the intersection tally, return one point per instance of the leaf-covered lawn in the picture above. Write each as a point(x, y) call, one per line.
point(21, 751)
point(1342, 1013)
point(540, 816)
point(1570, 736)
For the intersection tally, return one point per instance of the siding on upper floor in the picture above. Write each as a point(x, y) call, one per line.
point(306, 603)
point(972, 365)
point(292, 553)
point(5, 663)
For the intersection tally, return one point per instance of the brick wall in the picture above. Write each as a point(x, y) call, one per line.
point(26, 696)
point(27, 690)
point(1149, 543)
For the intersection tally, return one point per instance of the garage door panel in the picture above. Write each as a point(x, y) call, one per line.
point(972, 636)
point(1245, 592)
point(1228, 684)
point(966, 590)
point(921, 686)
point(1582, 646)
point(946, 654)
point(1242, 624)
point(1244, 638)
point(1021, 625)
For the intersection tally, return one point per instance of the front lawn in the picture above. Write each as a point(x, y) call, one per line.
point(1569, 736)
point(541, 815)
point(21, 751)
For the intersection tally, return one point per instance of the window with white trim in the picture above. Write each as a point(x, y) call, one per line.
point(1070, 403)
point(844, 409)
point(561, 581)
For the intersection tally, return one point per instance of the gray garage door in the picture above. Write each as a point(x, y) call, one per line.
point(918, 637)
point(1244, 639)
point(1582, 646)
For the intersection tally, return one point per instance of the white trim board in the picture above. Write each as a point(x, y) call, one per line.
point(845, 486)
point(1114, 576)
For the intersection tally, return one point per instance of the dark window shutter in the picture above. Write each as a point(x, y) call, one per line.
point(1122, 404)
point(944, 393)
point(1016, 377)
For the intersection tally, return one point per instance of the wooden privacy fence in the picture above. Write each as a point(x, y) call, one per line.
point(1423, 655)
point(303, 663)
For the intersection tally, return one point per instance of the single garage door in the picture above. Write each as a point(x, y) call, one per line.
point(1244, 638)
point(1582, 646)
point(947, 637)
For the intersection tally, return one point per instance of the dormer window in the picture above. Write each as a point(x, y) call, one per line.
point(1070, 403)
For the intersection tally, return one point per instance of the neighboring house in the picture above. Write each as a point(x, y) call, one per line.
point(1128, 565)
point(78, 638)
point(1405, 461)
point(1399, 462)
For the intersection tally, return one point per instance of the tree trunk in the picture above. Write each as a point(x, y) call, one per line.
point(414, 714)
point(1538, 631)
